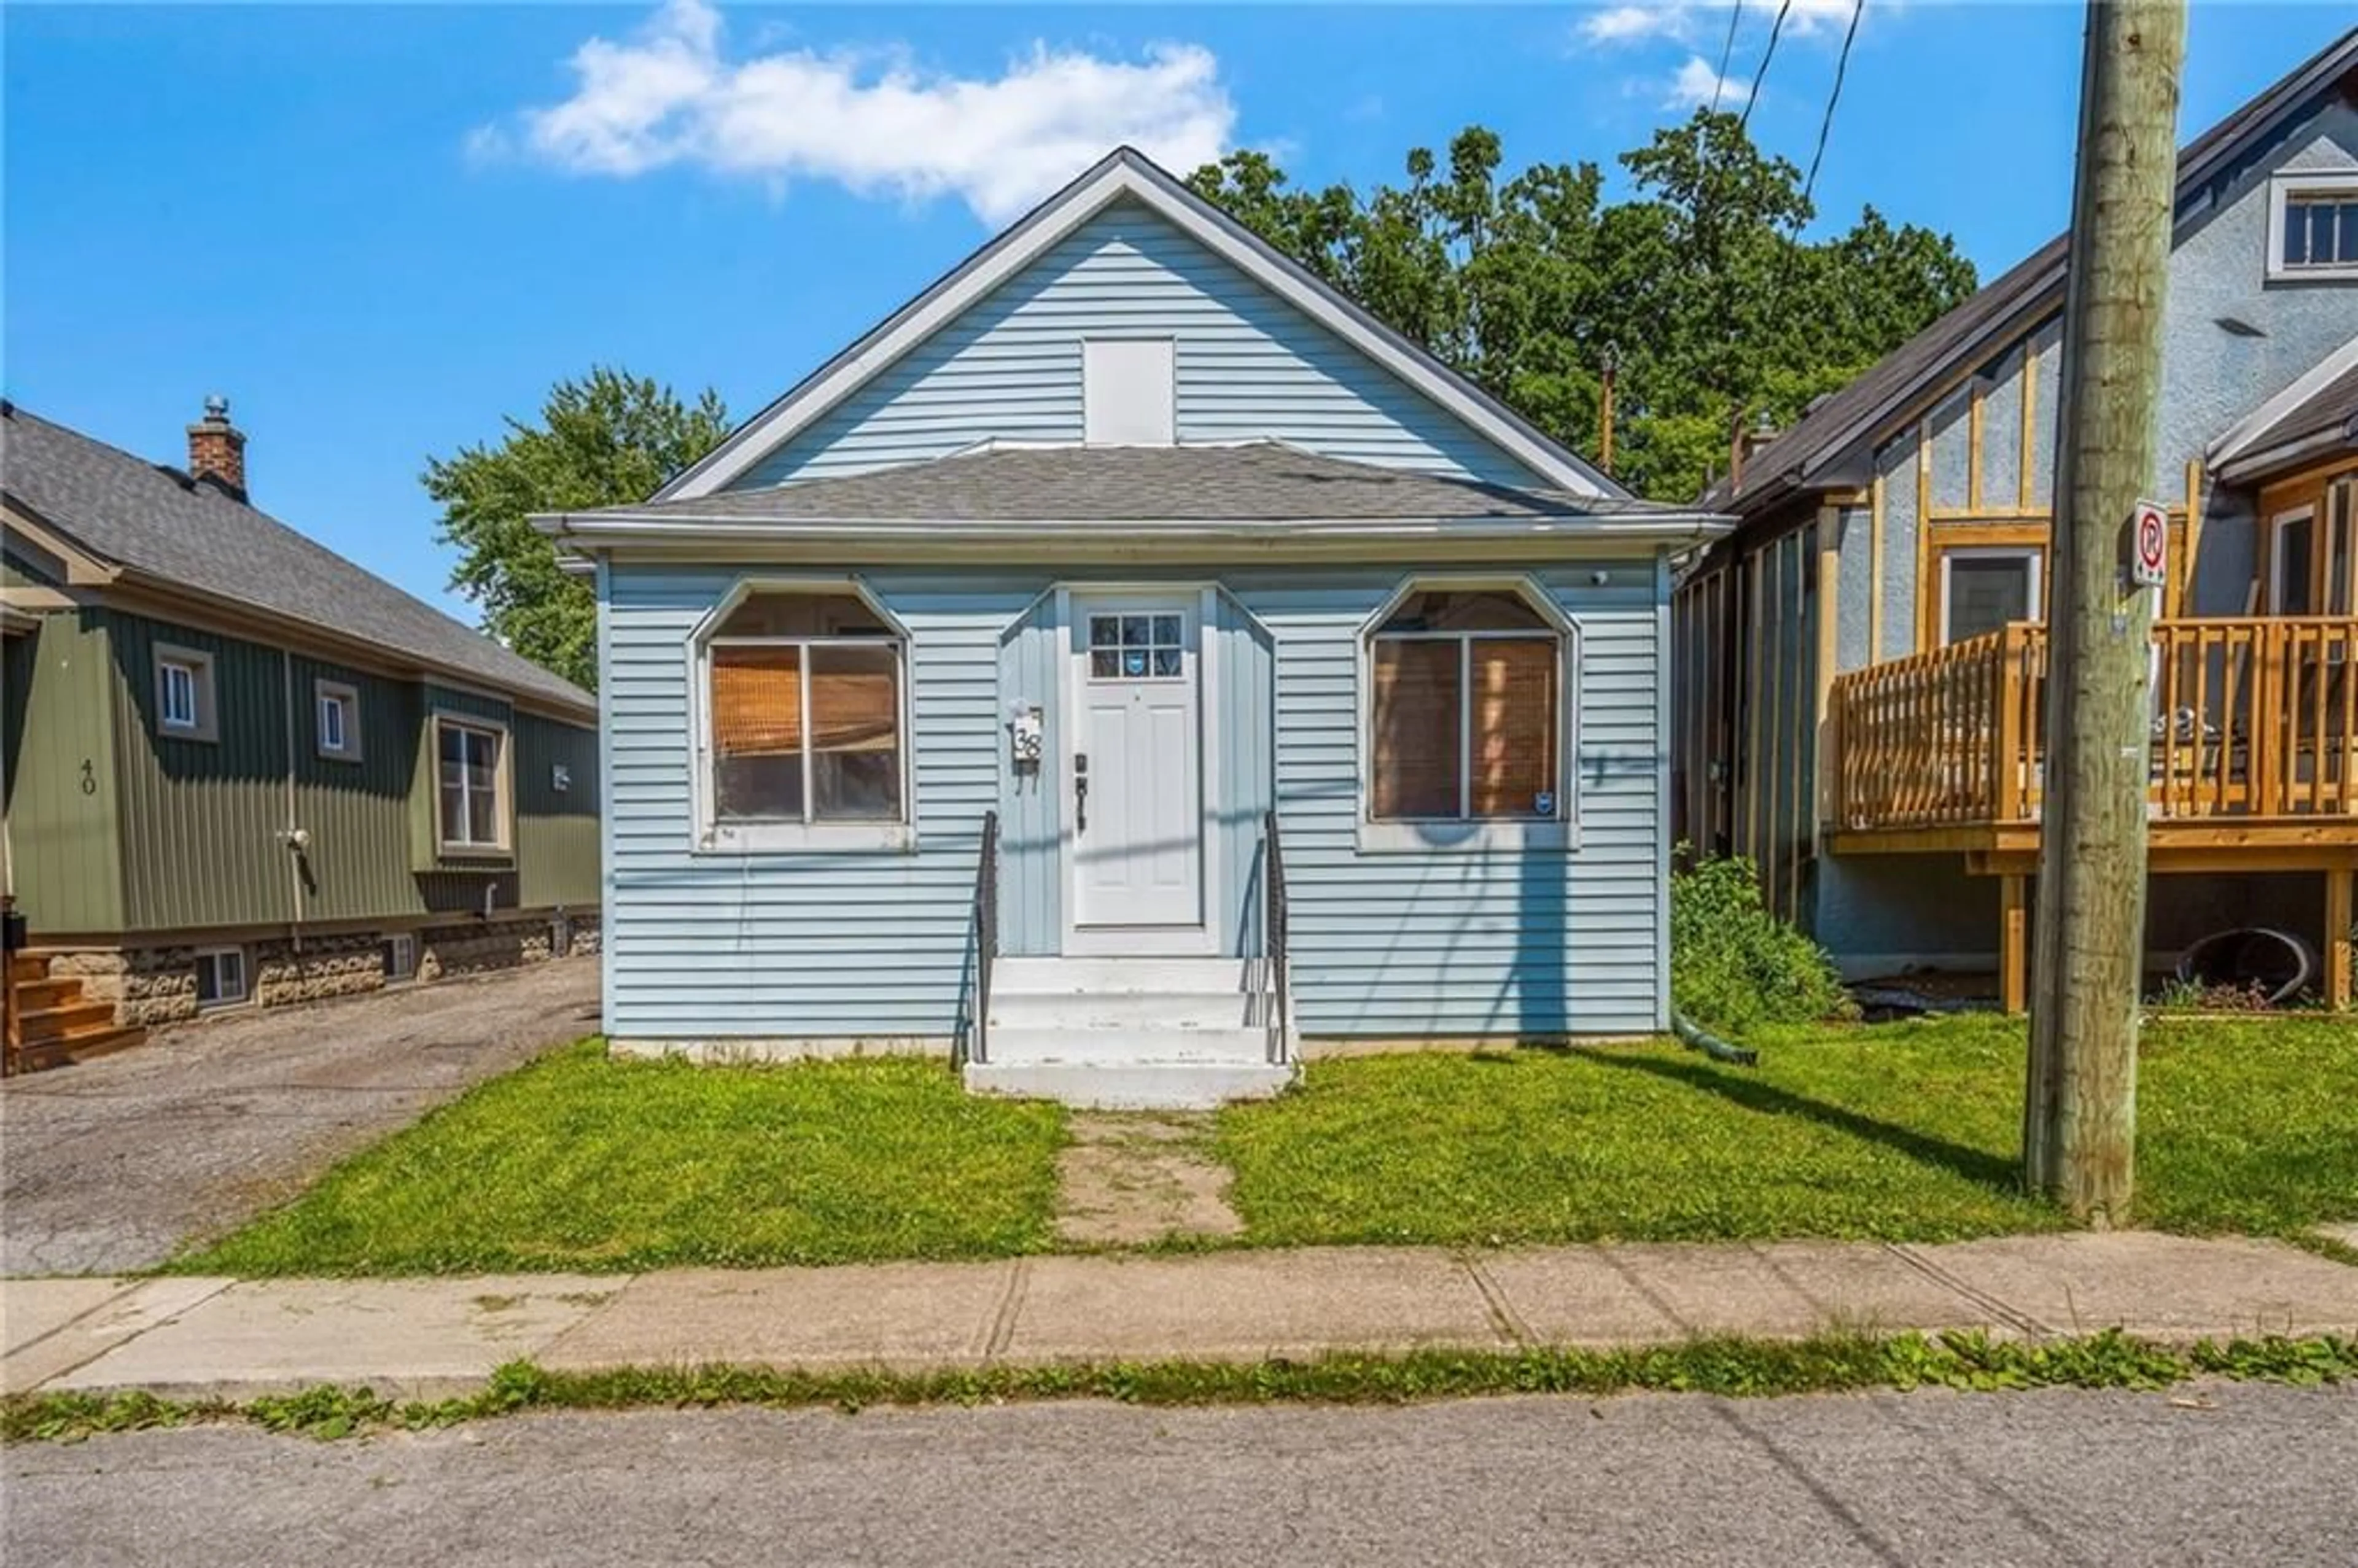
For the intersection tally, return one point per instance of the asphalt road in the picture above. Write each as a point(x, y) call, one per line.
point(2224, 1475)
point(110, 1164)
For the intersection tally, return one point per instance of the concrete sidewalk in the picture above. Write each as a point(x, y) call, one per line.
point(192, 1337)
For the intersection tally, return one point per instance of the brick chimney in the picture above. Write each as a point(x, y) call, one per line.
point(217, 449)
point(1763, 431)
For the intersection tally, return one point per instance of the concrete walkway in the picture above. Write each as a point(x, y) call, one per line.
point(193, 1338)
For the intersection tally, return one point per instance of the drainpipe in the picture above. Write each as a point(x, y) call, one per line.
point(1711, 1044)
point(293, 837)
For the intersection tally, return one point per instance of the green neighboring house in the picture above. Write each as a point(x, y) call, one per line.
point(239, 769)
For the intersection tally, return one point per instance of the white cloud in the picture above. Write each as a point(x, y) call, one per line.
point(873, 122)
point(1687, 21)
point(1634, 23)
point(1696, 84)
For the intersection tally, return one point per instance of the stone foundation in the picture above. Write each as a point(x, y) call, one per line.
point(325, 967)
point(154, 985)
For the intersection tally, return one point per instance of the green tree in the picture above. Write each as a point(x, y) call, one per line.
point(1717, 312)
point(607, 439)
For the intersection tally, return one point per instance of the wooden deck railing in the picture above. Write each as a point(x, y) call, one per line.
point(2253, 719)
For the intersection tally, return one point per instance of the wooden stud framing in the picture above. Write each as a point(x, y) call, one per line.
point(1750, 649)
point(1927, 637)
point(1974, 453)
point(1875, 572)
point(1797, 802)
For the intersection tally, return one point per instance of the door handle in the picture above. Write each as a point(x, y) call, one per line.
point(1080, 792)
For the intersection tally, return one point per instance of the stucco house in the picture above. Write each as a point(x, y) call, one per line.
point(1862, 690)
point(1128, 665)
point(239, 770)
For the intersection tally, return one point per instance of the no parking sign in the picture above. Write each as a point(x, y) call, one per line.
point(2149, 545)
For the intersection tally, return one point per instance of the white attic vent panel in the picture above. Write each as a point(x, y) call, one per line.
point(1129, 391)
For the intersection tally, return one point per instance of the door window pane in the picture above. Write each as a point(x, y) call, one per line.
point(1416, 729)
point(1986, 592)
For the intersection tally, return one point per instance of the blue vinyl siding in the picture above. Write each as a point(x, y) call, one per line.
point(1404, 945)
point(1249, 365)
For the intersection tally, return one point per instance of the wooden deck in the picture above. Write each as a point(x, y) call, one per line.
point(2253, 762)
point(2252, 765)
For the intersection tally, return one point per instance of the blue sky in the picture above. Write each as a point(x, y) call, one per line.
point(380, 230)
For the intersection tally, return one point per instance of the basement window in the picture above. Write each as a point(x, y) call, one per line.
point(221, 976)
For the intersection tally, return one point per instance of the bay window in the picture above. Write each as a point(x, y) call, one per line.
point(1467, 711)
point(802, 744)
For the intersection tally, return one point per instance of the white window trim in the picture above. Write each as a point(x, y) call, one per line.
point(1458, 835)
point(713, 837)
point(2341, 184)
point(2276, 528)
point(199, 666)
point(245, 977)
point(504, 787)
point(348, 696)
point(2034, 592)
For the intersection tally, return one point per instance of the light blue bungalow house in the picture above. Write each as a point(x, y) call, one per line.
point(1128, 667)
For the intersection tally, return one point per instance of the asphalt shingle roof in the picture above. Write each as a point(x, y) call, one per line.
point(1254, 481)
point(125, 509)
point(2329, 407)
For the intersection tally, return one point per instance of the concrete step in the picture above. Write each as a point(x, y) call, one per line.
point(1069, 976)
point(1128, 1047)
point(1119, 1010)
point(1155, 1086)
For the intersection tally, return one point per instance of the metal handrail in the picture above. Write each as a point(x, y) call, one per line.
point(1273, 941)
point(986, 938)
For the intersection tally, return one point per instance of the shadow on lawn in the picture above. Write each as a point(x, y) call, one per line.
point(1973, 1164)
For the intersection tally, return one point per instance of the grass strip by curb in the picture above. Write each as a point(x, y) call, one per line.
point(1730, 1366)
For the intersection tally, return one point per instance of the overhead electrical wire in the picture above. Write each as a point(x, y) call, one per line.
point(1727, 53)
point(1775, 28)
point(1827, 124)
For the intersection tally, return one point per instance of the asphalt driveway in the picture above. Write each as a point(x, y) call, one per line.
point(111, 1165)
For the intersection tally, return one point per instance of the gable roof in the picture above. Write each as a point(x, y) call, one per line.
point(1127, 173)
point(1805, 456)
point(159, 523)
point(2312, 418)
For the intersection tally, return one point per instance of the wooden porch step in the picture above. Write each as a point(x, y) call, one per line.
point(36, 995)
point(73, 1021)
point(25, 968)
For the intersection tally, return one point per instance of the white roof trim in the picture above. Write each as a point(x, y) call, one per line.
point(2251, 427)
point(1126, 174)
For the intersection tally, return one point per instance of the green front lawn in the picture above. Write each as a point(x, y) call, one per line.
point(577, 1162)
point(1899, 1131)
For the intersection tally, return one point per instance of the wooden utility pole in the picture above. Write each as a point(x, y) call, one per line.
point(2079, 1119)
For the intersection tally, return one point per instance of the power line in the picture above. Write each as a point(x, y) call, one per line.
point(1727, 52)
point(1775, 28)
point(1827, 124)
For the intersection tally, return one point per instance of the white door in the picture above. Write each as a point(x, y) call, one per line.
point(1137, 859)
